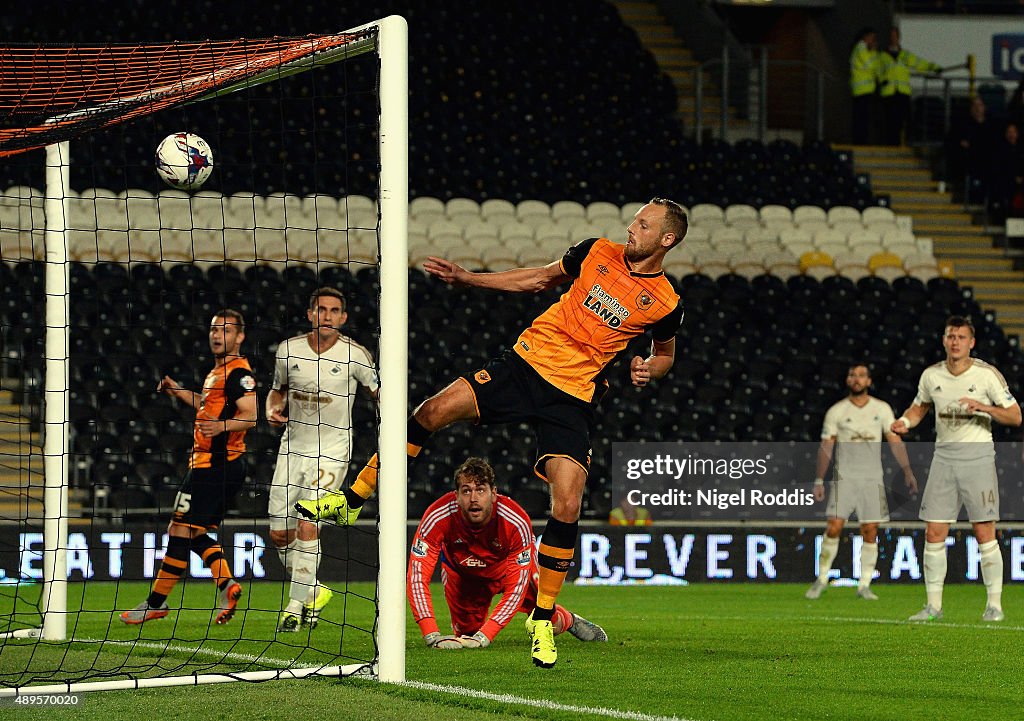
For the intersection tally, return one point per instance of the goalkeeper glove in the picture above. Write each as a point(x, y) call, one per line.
point(436, 640)
point(477, 640)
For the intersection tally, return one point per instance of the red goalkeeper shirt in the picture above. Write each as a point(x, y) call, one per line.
point(499, 553)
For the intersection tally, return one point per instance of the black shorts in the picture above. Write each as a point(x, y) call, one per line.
point(205, 493)
point(509, 390)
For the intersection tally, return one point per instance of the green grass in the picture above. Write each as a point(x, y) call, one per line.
point(716, 652)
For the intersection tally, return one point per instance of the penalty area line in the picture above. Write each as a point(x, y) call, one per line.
point(536, 703)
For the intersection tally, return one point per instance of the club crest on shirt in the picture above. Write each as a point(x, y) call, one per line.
point(644, 300)
point(955, 416)
point(335, 370)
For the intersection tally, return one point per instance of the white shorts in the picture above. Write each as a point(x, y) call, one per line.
point(863, 498)
point(300, 478)
point(951, 487)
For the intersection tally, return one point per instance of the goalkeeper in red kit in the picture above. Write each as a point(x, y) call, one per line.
point(484, 542)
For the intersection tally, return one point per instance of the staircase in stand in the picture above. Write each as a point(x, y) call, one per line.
point(956, 238)
point(21, 461)
point(676, 61)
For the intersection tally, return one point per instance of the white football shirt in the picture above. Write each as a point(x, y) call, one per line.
point(859, 432)
point(321, 391)
point(959, 435)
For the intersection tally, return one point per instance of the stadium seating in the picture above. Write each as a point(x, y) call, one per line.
point(892, 324)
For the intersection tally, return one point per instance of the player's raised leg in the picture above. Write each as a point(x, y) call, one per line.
point(456, 402)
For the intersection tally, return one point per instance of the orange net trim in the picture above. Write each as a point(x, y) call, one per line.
point(52, 92)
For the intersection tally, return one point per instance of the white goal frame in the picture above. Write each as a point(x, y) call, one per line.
point(392, 51)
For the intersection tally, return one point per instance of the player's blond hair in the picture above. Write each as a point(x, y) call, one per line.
point(675, 218)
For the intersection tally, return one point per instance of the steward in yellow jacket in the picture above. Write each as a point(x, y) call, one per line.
point(895, 68)
point(863, 84)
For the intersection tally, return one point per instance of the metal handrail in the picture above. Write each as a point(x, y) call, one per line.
point(945, 89)
point(760, 106)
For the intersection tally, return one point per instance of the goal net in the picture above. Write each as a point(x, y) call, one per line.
point(109, 281)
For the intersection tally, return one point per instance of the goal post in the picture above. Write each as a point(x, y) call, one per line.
point(55, 394)
point(58, 125)
point(394, 352)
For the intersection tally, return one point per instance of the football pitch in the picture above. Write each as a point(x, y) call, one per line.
point(715, 652)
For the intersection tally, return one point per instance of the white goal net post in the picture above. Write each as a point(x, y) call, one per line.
point(388, 38)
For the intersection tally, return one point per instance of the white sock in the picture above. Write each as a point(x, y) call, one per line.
point(992, 572)
point(934, 572)
point(306, 556)
point(285, 553)
point(829, 549)
point(868, 559)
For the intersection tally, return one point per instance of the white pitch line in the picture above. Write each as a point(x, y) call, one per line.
point(879, 621)
point(537, 703)
point(194, 650)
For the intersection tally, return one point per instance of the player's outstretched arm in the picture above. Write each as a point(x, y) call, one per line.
point(172, 388)
point(517, 280)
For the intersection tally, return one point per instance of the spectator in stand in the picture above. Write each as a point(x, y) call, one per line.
point(1015, 107)
point(895, 67)
point(971, 149)
point(1008, 176)
point(863, 84)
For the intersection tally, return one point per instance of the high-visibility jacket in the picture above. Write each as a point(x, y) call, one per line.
point(895, 71)
point(618, 517)
point(863, 69)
